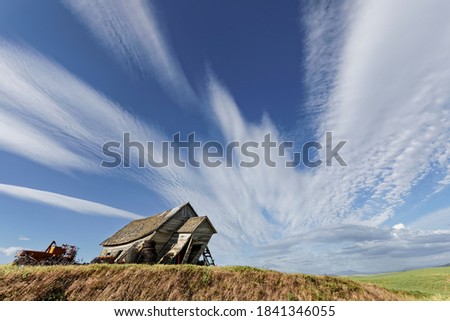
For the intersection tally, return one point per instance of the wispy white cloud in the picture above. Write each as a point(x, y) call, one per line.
point(50, 116)
point(389, 99)
point(66, 202)
point(10, 251)
point(132, 32)
point(326, 23)
point(23, 238)
point(19, 137)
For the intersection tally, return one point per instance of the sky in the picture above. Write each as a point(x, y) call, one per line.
point(75, 75)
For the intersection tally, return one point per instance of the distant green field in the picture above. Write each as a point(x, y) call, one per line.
point(425, 284)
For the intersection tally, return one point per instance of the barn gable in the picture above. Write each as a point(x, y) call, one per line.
point(188, 243)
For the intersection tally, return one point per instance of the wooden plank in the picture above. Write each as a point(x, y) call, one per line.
point(188, 251)
point(182, 240)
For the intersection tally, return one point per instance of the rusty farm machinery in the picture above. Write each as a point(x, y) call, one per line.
point(53, 255)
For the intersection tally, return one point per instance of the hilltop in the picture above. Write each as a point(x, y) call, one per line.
point(175, 282)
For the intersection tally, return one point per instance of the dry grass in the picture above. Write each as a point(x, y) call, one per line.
point(187, 282)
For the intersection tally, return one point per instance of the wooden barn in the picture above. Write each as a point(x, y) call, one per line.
point(176, 236)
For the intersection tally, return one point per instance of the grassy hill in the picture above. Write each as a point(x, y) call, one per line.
point(139, 282)
point(425, 284)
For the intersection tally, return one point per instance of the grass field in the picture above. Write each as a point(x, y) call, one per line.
point(186, 282)
point(424, 284)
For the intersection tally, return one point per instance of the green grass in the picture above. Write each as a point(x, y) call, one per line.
point(424, 284)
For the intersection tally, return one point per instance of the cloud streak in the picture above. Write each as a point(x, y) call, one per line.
point(131, 31)
point(388, 97)
point(43, 107)
point(65, 202)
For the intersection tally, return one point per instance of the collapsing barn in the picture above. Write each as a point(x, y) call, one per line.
point(176, 236)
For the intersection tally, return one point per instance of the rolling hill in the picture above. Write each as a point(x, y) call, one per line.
point(187, 282)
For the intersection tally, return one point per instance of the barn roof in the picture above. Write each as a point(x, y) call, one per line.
point(191, 225)
point(138, 229)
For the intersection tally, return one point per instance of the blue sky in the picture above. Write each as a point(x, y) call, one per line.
point(77, 74)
